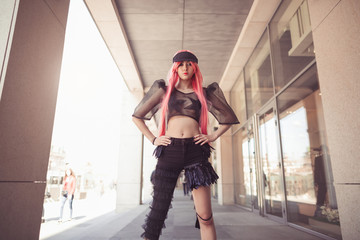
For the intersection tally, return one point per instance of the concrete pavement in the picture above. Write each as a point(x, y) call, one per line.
point(231, 223)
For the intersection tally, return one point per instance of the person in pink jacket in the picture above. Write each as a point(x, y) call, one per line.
point(68, 190)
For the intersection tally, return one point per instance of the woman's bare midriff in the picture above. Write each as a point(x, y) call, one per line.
point(182, 127)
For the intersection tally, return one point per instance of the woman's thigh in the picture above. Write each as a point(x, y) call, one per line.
point(202, 201)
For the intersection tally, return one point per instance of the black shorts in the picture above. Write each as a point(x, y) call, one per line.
point(181, 154)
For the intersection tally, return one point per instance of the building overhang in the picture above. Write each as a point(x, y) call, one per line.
point(143, 36)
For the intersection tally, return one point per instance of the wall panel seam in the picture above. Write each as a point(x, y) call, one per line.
point(331, 10)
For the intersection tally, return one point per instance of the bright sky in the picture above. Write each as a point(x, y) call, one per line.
point(88, 114)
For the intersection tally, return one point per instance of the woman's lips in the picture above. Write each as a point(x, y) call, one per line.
point(185, 73)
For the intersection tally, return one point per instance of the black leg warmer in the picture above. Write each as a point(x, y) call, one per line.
point(165, 182)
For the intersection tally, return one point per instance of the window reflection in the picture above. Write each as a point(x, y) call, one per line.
point(291, 41)
point(296, 156)
point(307, 169)
point(258, 80)
point(237, 99)
point(242, 168)
point(270, 164)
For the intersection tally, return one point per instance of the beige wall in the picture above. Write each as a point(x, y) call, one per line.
point(225, 168)
point(27, 109)
point(336, 33)
point(131, 153)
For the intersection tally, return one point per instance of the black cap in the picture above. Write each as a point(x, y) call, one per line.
point(185, 56)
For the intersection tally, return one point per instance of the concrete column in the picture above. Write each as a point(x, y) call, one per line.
point(27, 109)
point(129, 182)
point(336, 34)
point(225, 168)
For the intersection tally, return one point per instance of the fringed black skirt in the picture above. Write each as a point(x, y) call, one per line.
point(181, 154)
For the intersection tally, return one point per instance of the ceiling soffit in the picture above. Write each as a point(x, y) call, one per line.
point(156, 29)
point(258, 18)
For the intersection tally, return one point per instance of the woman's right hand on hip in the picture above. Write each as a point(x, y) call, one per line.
point(162, 140)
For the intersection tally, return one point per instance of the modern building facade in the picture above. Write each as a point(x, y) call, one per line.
point(280, 153)
point(289, 69)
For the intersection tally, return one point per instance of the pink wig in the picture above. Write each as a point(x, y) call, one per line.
point(197, 81)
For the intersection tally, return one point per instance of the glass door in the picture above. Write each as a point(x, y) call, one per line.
point(269, 172)
point(252, 166)
point(246, 193)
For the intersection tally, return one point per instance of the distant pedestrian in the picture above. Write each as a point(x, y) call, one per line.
point(67, 193)
point(185, 185)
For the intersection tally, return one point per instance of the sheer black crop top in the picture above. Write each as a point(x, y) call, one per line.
point(186, 104)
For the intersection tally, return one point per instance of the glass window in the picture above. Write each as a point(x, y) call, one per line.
point(291, 41)
point(258, 76)
point(310, 193)
point(237, 99)
point(271, 173)
point(242, 169)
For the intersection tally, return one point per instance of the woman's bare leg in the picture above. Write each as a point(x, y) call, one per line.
point(202, 200)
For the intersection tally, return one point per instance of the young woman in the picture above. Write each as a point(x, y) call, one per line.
point(67, 192)
point(183, 141)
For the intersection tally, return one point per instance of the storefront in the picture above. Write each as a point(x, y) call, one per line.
point(282, 164)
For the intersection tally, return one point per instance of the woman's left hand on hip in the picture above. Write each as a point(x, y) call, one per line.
point(202, 139)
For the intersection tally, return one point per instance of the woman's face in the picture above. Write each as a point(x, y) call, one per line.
point(68, 172)
point(185, 70)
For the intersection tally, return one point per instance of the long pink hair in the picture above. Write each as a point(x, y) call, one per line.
point(197, 81)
